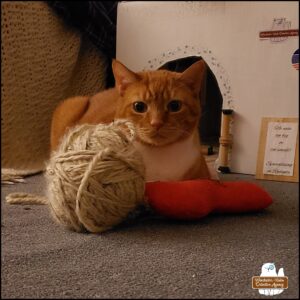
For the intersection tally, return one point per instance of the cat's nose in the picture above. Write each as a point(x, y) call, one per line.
point(156, 124)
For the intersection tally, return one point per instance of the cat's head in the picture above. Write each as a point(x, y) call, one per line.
point(163, 105)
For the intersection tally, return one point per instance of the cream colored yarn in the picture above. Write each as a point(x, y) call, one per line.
point(96, 177)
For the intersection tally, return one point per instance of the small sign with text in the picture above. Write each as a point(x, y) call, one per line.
point(280, 148)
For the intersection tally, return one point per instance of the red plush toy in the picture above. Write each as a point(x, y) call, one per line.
point(194, 199)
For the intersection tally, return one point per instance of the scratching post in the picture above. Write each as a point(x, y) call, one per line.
point(225, 141)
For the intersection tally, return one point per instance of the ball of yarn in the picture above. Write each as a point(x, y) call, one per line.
point(96, 177)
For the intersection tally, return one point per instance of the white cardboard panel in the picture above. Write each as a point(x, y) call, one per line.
point(255, 76)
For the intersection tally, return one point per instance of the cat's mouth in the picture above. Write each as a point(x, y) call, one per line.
point(158, 137)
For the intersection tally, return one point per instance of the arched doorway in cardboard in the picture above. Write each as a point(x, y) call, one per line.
point(211, 100)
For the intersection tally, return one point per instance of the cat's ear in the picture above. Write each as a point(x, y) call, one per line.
point(194, 75)
point(123, 76)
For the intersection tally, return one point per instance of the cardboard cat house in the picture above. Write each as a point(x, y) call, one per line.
point(248, 47)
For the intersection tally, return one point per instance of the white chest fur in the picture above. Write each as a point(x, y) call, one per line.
point(169, 162)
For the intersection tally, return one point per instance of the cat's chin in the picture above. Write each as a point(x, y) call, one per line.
point(155, 143)
point(159, 141)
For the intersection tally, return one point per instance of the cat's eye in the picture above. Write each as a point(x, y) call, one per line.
point(140, 106)
point(174, 105)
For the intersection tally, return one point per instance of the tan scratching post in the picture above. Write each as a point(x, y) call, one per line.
point(225, 141)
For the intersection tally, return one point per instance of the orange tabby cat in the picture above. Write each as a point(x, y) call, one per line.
point(165, 108)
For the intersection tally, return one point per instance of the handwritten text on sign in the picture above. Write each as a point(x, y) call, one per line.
point(280, 148)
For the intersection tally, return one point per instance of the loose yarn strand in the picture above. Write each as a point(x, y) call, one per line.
point(26, 198)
